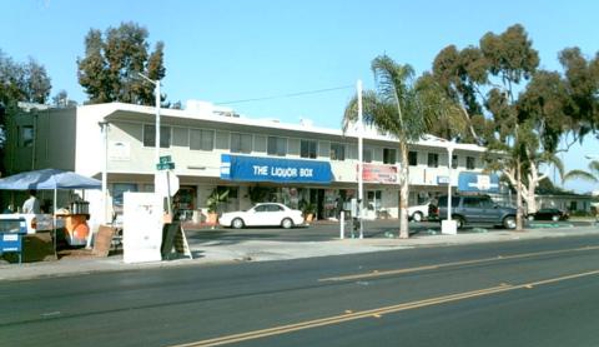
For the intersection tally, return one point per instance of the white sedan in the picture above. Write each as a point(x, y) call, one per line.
point(265, 214)
point(418, 213)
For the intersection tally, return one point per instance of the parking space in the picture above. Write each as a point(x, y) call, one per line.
point(329, 230)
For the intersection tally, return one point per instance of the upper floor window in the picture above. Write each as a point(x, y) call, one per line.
point(337, 151)
point(241, 143)
point(412, 158)
point(150, 136)
point(200, 139)
point(26, 136)
point(470, 163)
point(276, 146)
point(308, 149)
point(389, 156)
point(433, 160)
point(454, 161)
point(367, 155)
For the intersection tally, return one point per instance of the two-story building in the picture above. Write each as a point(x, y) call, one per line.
point(213, 148)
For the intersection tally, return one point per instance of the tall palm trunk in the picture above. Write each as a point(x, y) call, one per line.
point(403, 191)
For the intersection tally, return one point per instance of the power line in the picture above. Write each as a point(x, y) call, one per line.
point(317, 91)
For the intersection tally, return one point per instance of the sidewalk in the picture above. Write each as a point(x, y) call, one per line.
point(212, 252)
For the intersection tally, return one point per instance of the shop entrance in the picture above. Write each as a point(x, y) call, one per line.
point(184, 202)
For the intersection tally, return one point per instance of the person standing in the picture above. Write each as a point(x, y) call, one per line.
point(31, 205)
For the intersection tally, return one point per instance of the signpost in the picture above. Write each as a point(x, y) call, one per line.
point(166, 183)
point(166, 163)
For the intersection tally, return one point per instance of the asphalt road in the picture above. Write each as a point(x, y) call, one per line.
point(527, 293)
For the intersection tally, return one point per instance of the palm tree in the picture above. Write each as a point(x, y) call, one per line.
point(392, 107)
point(443, 116)
point(590, 176)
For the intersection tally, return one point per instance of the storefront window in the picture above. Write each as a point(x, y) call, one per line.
point(330, 203)
point(373, 200)
point(290, 197)
point(184, 202)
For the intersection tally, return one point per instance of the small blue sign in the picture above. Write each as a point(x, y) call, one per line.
point(476, 182)
point(442, 180)
point(261, 169)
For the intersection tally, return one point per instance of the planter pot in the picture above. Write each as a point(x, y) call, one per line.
point(212, 218)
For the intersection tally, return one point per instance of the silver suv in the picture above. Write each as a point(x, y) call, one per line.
point(477, 209)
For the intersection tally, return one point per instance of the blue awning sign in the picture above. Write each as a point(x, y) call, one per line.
point(261, 169)
point(478, 183)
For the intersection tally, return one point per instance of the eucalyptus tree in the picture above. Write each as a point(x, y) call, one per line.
point(392, 107)
point(462, 76)
point(23, 81)
point(513, 107)
point(109, 70)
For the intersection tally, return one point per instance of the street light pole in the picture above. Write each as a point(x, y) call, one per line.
point(360, 159)
point(449, 226)
point(156, 84)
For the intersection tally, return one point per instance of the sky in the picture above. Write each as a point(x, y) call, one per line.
point(300, 59)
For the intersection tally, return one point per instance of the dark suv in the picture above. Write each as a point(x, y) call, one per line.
point(477, 209)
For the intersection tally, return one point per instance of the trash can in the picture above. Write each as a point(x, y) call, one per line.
point(11, 236)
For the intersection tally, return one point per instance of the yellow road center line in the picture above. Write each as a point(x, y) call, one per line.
point(377, 312)
point(379, 273)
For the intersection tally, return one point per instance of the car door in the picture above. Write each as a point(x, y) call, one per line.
point(276, 214)
point(471, 209)
point(488, 211)
point(256, 215)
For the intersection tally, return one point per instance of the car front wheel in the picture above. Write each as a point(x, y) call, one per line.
point(509, 222)
point(287, 223)
point(237, 223)
point(417, 217)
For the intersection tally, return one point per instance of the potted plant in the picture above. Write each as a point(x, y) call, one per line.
point(215, 198)
point(309, 210)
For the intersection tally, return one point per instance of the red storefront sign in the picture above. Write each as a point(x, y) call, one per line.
point(373, 173)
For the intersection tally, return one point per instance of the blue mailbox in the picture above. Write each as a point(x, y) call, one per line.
point(11, 236)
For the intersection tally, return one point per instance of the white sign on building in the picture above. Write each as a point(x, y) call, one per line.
point(119, 151)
